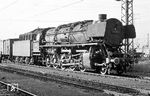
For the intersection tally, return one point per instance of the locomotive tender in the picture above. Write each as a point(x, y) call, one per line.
point(80, 46)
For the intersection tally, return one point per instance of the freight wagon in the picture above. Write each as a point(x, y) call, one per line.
point(1, 47)
point(8, 48)
point(25, 50)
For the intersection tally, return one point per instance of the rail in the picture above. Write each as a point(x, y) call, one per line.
point(18, 90)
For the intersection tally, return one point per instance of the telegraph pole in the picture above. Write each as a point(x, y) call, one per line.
point(127, 19)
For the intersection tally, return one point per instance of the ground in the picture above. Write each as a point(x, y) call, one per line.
point(46, 88)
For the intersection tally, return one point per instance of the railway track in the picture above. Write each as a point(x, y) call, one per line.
point(7, 89)
point(86, 84)
point(131, 75)
point(127, 75)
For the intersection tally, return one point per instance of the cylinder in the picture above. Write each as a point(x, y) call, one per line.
point(102, 17)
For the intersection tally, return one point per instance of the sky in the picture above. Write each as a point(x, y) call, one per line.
point(21, 16)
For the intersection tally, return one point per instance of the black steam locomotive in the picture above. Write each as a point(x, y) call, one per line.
point(82, 45)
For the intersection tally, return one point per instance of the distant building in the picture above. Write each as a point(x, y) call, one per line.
point(1, 46)
point(143, 45)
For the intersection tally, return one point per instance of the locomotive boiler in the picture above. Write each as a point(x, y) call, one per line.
point(87, 44)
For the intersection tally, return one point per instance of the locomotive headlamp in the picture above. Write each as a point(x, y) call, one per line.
point(115, 60)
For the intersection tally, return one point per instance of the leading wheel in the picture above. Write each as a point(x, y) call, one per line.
point(104, 70)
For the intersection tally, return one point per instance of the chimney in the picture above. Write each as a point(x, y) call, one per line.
point(102, 17)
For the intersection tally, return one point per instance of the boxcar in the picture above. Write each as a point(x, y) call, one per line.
point(23, 51)
point(1, 46)
point(8, 48)
point(22, 48)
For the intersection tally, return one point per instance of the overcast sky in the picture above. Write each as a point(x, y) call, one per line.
point(21, 16)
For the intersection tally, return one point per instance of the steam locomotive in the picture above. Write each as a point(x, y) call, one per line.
point(84, 45)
